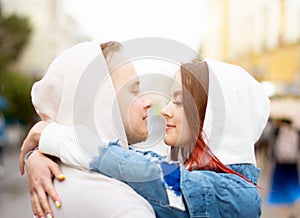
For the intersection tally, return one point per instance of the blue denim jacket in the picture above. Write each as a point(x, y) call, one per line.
point(205, 193)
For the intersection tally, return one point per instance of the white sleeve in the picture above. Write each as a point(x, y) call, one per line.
point(64, 142)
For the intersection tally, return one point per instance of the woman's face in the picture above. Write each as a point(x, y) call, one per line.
point(178, 132)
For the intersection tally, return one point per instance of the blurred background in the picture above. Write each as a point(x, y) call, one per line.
point(263, 36)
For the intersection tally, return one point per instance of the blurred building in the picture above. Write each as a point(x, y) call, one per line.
point(263, 36)
point(53, 31)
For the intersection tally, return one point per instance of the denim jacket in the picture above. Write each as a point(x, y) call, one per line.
point(205, 193)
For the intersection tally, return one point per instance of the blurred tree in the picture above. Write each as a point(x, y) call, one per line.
point(16, 89)
point(15, 31)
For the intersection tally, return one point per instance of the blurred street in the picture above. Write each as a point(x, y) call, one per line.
point(15, 201)
point(269, 211)
point(14, 195)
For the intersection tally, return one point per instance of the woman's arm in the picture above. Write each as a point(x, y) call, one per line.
point(147, 175)
point(73, 145)
point(205, 192)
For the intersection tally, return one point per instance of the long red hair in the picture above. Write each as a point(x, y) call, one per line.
point(198, 156)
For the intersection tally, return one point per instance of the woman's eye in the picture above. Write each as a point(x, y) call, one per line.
point(178, 103)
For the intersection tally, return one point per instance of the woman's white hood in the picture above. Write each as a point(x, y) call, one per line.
point(77, 89)
point(237, 112)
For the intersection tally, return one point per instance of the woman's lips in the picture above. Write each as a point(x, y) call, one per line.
point(169, 127)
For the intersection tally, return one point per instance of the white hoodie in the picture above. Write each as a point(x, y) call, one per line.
point(237, 112)
point(77, 89)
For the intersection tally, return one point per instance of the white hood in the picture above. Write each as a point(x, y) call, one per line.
point(237, 112)
point(77, 89)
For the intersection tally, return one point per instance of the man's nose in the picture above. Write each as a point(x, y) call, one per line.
point(147, 102)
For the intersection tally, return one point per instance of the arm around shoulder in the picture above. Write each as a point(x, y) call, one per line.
point(62, 141)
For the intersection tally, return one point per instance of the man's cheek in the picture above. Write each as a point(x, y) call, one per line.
point(124, 101)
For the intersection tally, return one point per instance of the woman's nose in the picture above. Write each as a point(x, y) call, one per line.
point(166, 111)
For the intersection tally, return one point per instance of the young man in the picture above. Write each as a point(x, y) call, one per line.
point(60, 85)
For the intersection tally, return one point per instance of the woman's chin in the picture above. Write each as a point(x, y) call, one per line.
point(169, 142)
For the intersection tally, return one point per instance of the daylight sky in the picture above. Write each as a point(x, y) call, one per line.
point(121, 20)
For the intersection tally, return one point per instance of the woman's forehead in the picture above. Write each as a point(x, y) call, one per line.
point(176, 87)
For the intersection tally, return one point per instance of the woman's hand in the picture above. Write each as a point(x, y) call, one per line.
point(31, 142)
point(39, 170)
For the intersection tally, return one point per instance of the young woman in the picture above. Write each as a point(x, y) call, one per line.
point(196, 188)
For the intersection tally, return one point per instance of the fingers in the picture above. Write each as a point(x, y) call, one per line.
point(49, 188)
point(56, 171)
point(39, 174)
point(40, 201)
point(37, 208)
point(44, 202)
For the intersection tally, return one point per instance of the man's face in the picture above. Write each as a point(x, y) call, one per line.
point(133, 105)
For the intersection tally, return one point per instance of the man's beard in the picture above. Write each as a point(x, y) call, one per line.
point(133, 137)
